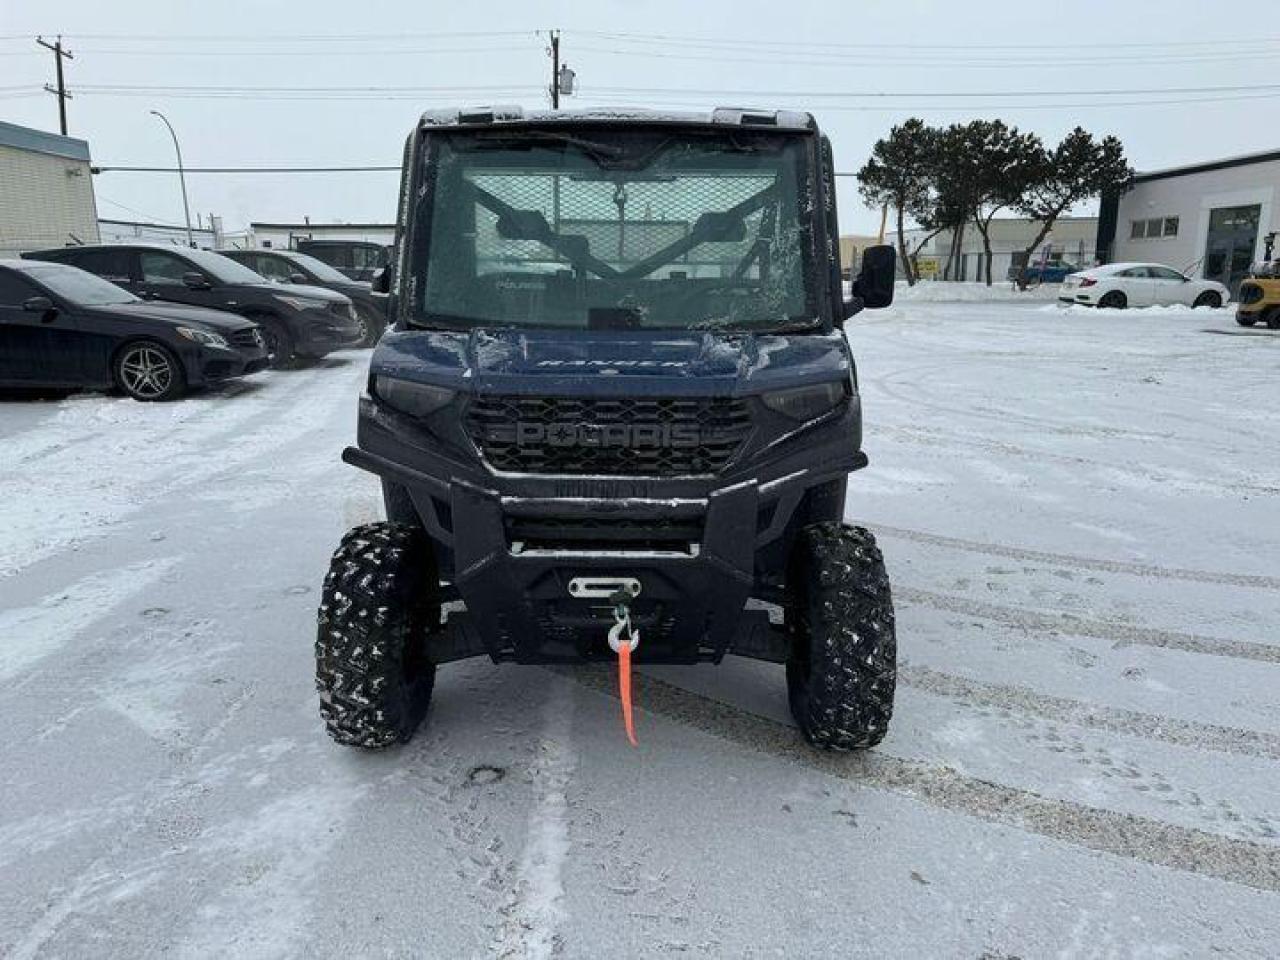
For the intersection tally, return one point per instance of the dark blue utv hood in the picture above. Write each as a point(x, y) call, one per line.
point(576, 362)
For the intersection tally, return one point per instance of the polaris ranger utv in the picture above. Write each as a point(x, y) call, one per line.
point(614, 417)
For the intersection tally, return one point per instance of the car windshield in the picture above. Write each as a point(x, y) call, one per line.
point(609, 229)
point(79, 286)
point(318, 268)
point(223, 269)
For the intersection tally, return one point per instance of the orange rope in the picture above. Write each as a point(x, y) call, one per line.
point(624, 690)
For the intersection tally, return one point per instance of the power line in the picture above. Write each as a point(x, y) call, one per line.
point(114, 168)
point(809, 46)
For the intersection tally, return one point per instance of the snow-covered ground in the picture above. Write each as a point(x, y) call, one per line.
point(1080, 515)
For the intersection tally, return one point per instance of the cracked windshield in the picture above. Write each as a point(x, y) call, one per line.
point(602, 230)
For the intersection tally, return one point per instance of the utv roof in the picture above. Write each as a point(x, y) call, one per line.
point(719, 117)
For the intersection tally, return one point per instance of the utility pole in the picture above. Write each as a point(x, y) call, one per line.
point(58, 56)
point(555, 69)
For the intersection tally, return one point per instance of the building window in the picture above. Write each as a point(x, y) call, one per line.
point(1154, 229)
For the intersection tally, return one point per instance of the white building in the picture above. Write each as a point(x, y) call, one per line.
point(46, 191)
point(283, 236)
point(1071, 241)
point(129, 231)
point(1209, 220)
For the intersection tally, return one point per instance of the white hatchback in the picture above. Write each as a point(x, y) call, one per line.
point(1121, 285)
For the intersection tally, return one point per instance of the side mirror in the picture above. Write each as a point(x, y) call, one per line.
point(37, 305)
point(299, 278)
point(380, 282)
point(874, 287)
point(196, 281)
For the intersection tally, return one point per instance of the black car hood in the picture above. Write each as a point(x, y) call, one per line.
point(180, 313)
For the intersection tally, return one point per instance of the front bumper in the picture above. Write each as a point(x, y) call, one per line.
point(318, 332)
point(209, 365)
point(693, 543)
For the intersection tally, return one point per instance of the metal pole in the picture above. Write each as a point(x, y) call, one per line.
point(182, 177)
point(555, 69)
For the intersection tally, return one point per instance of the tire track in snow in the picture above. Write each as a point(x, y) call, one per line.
point(97, 881)
point(67, 503)
point(29, 634)
point(1083, 563)
point(1104, 831)
point(532, 919)
point(1121, 634)
point(1132, 723)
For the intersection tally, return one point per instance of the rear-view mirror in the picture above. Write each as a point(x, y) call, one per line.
point(380, 282)
point(298, 278)
point(37, 305)
point(196, 281)
point(873, 288)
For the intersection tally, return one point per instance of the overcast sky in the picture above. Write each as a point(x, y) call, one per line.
point(1036, 65)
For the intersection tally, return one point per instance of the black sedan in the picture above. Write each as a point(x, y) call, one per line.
point(62, 327)
point(288, 266)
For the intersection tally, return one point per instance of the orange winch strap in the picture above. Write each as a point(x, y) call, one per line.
point(624, 689)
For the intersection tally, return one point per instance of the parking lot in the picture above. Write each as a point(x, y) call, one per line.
point(1079, 514)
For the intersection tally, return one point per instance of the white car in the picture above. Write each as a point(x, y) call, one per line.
point(1121, 285)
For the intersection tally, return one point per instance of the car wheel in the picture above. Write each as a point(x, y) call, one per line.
point(1115, 300)
point(149, 371)
point(1246, 320)
point(1209, 298)
point(279, 342)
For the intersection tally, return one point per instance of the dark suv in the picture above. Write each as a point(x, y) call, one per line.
point(288, 266)
point(296, 321)
point(615, 417)
point(358, 259)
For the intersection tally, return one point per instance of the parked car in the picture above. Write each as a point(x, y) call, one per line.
point(289, 266)
point(1034, 273)
point(358, 259)
point(62, 327)
point(1121, 285)
point(296, 320)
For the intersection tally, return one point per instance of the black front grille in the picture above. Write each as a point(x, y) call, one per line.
point(630, 436)
point(248, 337)
point(586, 533)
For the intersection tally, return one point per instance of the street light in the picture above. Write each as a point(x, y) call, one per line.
point(182, 177)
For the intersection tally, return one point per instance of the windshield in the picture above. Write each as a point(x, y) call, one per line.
point(79, 286)
point(611, 229)
point(319, 269)
point(223, 269)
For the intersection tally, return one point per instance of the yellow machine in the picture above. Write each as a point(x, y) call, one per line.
point(1260, 293)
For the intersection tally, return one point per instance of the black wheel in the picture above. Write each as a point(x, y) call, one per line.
point(149, 371)
point(1273, 318)
point(372, 672)
point(1246, 320)
point(1115, 300)
point(1209, 298)
point(279, 342)
point(370, 328)
point(843, 666)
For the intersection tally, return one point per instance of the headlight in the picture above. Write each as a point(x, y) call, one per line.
point(298, 303)
point(203, 336)
point(415, 399)
point(805, 403)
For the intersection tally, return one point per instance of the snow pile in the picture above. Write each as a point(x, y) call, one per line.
point(953, 291)
point(1169, 310)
